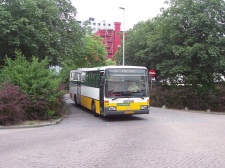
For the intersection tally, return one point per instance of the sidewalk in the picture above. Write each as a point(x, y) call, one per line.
point(33, 124)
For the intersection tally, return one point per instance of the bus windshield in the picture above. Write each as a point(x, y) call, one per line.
point(126, 83)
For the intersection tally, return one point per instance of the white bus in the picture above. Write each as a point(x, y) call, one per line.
point(105, 90)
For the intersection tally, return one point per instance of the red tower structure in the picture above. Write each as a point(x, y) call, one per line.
point(112, 39)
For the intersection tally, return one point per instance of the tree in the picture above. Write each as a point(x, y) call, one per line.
point(44, 28)
point(137, 49)
point(184, 44)
point(110, 62)
point(95, 52)
point(92, 53)
point(135, 45)
point(192, 34)
point(195, 29)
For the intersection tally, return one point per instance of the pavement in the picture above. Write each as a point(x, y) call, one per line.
point(34, 124)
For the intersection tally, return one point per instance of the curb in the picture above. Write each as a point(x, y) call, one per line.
point(191, 111)
point(50, 123)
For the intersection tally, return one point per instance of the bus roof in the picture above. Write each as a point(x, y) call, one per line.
point(109, 67)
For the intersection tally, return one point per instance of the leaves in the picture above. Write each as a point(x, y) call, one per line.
point(186, 40)
point(36, 80)
point(44, 28)
point(95, 52)
point(13, 104)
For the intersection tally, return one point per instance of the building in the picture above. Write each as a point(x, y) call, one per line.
point(110, 32)
point(112, 39)
point(96, 25)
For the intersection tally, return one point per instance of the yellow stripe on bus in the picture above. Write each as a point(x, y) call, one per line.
point(87, 102)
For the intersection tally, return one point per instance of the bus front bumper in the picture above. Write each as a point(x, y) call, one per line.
point(128, 112)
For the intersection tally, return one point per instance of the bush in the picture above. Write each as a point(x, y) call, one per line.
point(179, 97)
point(46, 106)
point(13, 104)
point(39, 82)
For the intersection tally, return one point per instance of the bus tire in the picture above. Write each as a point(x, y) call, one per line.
point(94, 109)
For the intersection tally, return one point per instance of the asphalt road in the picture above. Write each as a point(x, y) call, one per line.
point(162, 139)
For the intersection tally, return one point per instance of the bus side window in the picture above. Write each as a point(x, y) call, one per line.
point(73, 77)
point(83, 76)
point(78, 77)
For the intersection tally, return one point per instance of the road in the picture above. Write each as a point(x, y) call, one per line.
point(162, 139)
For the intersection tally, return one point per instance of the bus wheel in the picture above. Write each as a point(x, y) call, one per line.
point(94, 109)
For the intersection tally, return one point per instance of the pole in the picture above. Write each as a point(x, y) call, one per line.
point(123, 34)
point(151, 83)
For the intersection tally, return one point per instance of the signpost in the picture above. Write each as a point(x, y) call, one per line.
point(152, 74)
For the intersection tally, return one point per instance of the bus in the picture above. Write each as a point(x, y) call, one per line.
point(104, 90)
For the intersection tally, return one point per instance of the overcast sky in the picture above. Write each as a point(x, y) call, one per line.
point(108, 10)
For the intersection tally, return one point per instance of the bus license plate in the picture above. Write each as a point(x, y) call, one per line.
point(129, 112)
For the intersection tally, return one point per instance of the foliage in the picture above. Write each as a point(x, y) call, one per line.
point(44, 28)
point(37, 81)
point(179, 97)
point(136, 49)
point(95, 52)
point(64, 74)
point(92, 54)
point(13, 104)
point(193, 33)
point(47, 106)
point(185, 44)
point(110, 62)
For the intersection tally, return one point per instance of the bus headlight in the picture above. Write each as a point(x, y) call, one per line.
point(112, 108)
point(144, 107)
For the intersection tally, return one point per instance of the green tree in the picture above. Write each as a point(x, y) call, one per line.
point(95, 52)
point(44, 28)
point(184, 44)
point(110, 62)
point(92, 53)
point(193, 38)
point(137, 51)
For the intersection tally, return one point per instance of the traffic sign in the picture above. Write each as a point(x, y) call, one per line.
point(152, 72)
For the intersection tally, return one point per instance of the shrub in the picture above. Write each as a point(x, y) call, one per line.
point(46, 106)
point(36, 80)
point(179, 97)
point(13, 104)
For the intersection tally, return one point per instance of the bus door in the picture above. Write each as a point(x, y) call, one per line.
point(76, 85)
point(78, 88)
point(101, 92)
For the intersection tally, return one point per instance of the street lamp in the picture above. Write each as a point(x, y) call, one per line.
point(123, 33)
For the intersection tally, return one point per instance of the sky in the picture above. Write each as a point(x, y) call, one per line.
point(108, 10)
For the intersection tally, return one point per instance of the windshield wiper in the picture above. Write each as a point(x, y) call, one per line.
point(109, 93)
